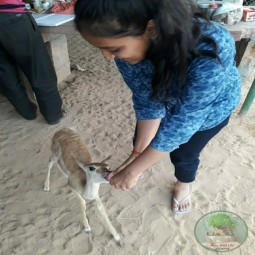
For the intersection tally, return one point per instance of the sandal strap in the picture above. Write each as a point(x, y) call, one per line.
point(183, 200)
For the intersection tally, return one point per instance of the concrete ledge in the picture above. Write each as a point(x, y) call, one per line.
point(57, 48)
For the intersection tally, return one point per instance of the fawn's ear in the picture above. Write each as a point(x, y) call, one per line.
point(84, 166)
point(105, 160)
point(81, 164)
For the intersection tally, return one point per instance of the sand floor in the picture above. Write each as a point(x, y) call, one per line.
point(98, 104)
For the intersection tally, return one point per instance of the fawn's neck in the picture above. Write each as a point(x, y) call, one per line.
point(91, 190)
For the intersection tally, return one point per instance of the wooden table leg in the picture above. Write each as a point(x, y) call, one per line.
point(58, 51)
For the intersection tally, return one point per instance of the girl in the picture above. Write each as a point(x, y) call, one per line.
point(181, 72)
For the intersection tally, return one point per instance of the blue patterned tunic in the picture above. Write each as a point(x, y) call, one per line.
point(211, 92)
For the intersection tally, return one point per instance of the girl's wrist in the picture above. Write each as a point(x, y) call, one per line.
point(135, 152)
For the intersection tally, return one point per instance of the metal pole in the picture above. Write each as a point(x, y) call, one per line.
point(248, 100)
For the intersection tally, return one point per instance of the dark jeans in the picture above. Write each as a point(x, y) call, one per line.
point(186, 158)
point(21, 44)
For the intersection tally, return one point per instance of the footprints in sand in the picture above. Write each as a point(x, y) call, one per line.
point(8, 182)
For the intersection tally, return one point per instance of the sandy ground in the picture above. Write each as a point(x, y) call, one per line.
point(98, 104)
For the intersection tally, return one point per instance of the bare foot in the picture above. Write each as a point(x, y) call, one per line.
point(181, 195)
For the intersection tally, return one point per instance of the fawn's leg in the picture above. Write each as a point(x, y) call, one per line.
point(86, 225)
point(52, 160)
point(109, 224)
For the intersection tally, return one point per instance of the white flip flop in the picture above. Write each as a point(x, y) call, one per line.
point(178, 203)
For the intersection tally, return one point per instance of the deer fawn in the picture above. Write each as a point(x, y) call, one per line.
point(84, 177)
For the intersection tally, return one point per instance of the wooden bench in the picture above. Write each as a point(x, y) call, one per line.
point(53, 28)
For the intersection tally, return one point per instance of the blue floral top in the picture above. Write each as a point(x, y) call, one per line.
point(211, 92)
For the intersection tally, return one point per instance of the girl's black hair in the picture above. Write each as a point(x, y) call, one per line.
point(177, 34)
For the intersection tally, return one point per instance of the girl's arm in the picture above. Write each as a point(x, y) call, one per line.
point(145, 132)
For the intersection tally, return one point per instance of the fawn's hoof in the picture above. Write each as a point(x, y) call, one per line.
point(117, 239)
point(46, 188)
point(87, 230)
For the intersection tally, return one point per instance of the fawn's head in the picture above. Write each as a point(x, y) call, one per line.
point(97, 171)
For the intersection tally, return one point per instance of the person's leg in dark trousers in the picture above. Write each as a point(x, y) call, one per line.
point(41, 73)
point(10, 83)
point(11, 87)
point(27, 48)
point(186, 158)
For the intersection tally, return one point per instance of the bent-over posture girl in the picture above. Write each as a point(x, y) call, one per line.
point(181, 71)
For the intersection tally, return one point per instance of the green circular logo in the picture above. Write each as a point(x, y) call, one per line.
point(221, 231)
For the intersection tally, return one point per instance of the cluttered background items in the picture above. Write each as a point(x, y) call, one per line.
point(228, 12)
point(50, 6)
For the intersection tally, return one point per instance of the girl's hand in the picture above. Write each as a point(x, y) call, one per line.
point(124, 180)
point(127, 177)
point(121, 167)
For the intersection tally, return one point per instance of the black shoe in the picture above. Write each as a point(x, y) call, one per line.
point(55, 121)
point(29, 117)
